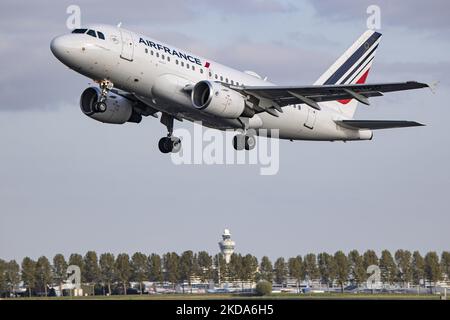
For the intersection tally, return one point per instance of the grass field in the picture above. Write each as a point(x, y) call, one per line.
point(319, 296)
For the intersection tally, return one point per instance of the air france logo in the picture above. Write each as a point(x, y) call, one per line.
point(173, 52)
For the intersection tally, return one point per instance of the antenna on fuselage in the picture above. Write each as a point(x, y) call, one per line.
point(119, 24)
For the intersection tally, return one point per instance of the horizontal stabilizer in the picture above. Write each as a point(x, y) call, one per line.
point(377, 124)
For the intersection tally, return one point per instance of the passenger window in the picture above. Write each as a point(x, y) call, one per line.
point(146, 50)
point(210, 74)
point(151, 52)
point(226, 80)
point(168, 59)
point(157, 54)
point(221, 78)
point(163, 57)
point(101, 35)
point(232, 82)
point(92, 33)
point(176, 61)
point(79, 31)
point(201, 70)
point(182, 63)
point(187, 65)
point(193, 68)
point(217, 77)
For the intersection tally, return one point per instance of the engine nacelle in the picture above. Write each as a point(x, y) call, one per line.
point(119, 109)
point(216, 99)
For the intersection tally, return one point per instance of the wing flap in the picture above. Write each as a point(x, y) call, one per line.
point(377, 124)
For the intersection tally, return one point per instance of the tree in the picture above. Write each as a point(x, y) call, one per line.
point(295, 268)
point(44, 274)
point(155, 268)
point(220, 268)
point(139, 268)
point(29, 274)
point(342, 268)
point(171, 267)
point(12, 274)
point(204, 266)
point(418, 268)
point(59, 270)
point(310, 267)
point(387, 267)
point(234, 268)
point(266, 269)
point(3, 282)
point(357, 272)
point(280, 270)
point(187, 267)
point(432, 268)
point(249, 268)
point(263, 288)
point(76, 259)
point(123, 270)
point(107, 270)
point(445, 264)
point(369, 258)
point(404, 267)
point(327, 268)
point(91, 268)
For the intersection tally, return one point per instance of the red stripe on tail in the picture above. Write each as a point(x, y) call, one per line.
point(361, 80)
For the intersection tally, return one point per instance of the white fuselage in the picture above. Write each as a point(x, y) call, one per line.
point(159, 74)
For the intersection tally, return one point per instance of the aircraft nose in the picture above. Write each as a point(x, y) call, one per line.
point(60, 46)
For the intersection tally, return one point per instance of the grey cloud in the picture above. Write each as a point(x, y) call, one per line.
point(415, 14)
point(250, 7)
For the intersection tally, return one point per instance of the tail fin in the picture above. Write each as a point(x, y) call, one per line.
point(351, 68)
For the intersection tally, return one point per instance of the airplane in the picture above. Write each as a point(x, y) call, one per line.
point(139, 76)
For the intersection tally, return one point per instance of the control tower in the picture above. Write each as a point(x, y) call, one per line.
point(227, 245)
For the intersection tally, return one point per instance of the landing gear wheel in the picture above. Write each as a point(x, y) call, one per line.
point(169, 144)
point(176, 143)
point(100, 107)
point(250, 142)
point(239, 142)
point(165, 145)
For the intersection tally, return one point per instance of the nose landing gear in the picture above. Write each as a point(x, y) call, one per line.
point(100, 106)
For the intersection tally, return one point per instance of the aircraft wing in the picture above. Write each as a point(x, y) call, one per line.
point(377, 124)
point(281, 96)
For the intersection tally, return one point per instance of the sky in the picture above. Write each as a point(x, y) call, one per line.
point(71, 184)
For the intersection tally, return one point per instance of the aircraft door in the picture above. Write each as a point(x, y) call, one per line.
point(127, 45)
point(311, 118)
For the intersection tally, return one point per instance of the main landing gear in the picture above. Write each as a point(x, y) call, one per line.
point(244, 141)
point(100, 106)
point(169, 144)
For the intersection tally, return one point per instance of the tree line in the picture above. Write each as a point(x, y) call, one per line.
point(108, 273)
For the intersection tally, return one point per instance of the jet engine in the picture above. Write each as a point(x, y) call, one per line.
point(118, 109)
point(217, 99)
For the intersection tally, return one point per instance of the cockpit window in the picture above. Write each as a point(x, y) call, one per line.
point(92, 33)
point(101, 35)
point(79, 31)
